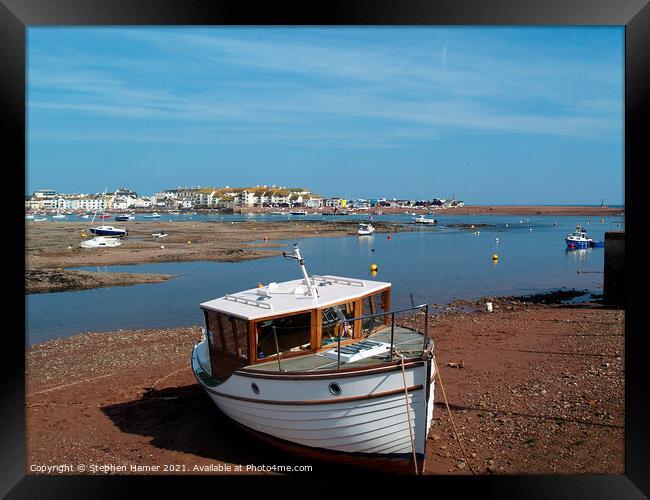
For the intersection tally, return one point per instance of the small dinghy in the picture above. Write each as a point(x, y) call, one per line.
point(159, 234)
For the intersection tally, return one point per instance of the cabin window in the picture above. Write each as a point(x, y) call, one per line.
point(374, 304)
point(293, 334)
point(332, 316)
point(227, 334)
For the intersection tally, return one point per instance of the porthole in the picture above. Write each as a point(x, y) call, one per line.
point(335, 389)
point(255, 389)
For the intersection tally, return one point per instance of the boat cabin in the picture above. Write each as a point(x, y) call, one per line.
point(293, 319)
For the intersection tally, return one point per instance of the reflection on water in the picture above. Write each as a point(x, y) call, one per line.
point(435, 265)
point(578, 255)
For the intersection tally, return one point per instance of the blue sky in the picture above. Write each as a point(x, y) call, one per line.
point(494, 115)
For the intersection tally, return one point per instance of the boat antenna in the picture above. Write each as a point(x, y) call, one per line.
point(313, 291)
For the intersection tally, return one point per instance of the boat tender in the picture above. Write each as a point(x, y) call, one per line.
point(322, 367)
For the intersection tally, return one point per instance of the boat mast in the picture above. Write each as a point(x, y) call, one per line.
point(313, 291)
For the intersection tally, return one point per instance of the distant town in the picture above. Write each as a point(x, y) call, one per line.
point(223, 198)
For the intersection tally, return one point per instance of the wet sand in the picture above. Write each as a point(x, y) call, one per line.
point(55, 246)
point(540, 391)
point(59, 280)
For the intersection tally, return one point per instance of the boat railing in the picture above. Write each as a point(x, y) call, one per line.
point(350, 321)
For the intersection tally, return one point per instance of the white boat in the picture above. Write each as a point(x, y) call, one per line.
point(159, 234)
point(365, 229)
point(85, 216)
point(100, 242)
point(313, 366)
point(40, 219)
point(59, 215)
point(424, 220)
point(29, 217)
point(154, 215)
point(578, 239)
point(124, 217)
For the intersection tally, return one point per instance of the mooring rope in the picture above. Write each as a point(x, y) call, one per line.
point(408, 413)
point(451, 417)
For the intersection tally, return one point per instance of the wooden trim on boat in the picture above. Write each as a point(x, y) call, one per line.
point(387, 317)
point(358, 312)
point(252, 341)
point(222, 334)
point(323, 374)
point(349, 399)
point(316, 329)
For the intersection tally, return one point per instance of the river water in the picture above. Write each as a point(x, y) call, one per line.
point(434, 265)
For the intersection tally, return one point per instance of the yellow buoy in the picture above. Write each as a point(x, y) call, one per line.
point(373, 267)
point(189, 242)
point(260, 285)
point(495, 257)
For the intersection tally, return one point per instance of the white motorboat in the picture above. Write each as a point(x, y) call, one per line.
point(124, 217)
point(159, 234)
point(154, 215)
point(424, 220)
point(29, 217)
point(40, 219)
point(320, 366)
point(365, 229)
point(100, 242)
point(59, 215)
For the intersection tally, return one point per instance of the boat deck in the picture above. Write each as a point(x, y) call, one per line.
point(405, 340)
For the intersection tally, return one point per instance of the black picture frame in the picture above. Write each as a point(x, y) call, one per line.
point(17, 15)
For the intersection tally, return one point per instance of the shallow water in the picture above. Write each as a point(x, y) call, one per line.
point(435, 264)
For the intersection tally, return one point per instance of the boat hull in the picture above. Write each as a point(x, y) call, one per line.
point(366, 423)
point(573, 244)
point(108, 232)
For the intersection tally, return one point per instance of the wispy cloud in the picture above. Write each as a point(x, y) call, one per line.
point(231, 87)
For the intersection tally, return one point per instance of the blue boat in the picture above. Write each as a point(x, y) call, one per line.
point(578, 239)
point(108, 231)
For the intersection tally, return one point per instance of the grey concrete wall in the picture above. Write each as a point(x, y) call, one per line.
point(614, 278)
